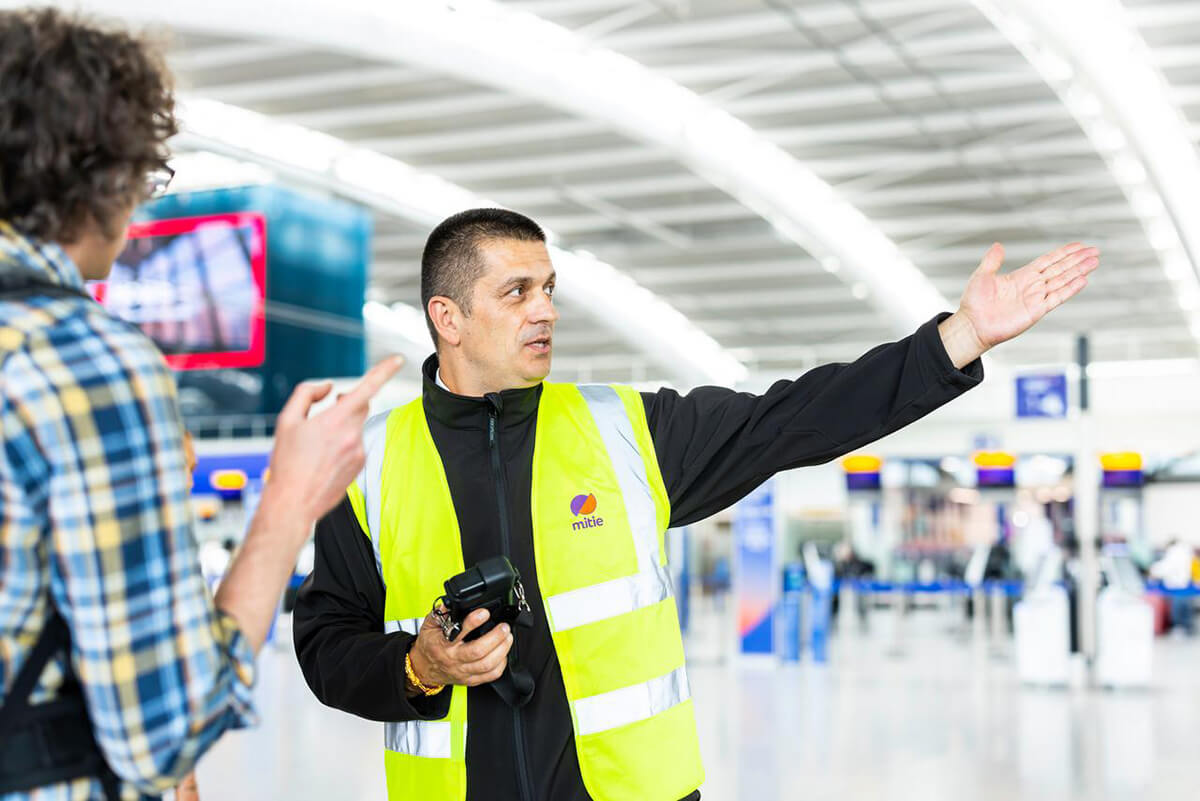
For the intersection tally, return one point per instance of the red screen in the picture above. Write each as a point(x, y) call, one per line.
point(197, 286)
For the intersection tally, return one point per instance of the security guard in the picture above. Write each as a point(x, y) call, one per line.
point(576, 485)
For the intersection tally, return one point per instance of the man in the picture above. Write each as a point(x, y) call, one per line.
point(118, 670)
point(576, 485)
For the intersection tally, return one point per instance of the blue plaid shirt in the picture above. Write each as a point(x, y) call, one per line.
point(95, 519)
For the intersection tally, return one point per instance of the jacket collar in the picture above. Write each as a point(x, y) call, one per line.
point(45, 261)
point(461, 411)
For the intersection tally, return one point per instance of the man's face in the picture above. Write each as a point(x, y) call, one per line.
point(507, 339)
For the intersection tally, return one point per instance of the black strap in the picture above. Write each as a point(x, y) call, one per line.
point(54, 638)
point(53, 742)
point(516, 685)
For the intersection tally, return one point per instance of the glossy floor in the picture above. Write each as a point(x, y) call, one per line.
point(933, 714)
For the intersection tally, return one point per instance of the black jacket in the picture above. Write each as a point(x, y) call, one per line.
point(714, 446)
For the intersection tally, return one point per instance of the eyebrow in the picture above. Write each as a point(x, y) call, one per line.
point(526, 279)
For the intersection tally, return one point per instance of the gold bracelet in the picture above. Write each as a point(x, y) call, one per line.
point(412, 678)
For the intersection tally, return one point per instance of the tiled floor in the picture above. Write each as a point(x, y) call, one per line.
point(936, 715)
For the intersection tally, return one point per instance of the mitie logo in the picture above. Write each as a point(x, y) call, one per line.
point(583, 506)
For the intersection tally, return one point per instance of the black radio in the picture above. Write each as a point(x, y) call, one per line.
point(493, 584)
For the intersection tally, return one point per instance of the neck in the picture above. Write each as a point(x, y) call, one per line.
point(82, 255)
point(460, 379)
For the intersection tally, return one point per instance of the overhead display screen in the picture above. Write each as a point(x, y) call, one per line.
point(197, 287)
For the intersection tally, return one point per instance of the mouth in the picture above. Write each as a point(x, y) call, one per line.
point(540, 346)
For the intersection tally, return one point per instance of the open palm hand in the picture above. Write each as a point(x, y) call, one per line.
point(999, 307)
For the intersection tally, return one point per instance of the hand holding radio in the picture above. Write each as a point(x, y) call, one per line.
point(437, 660)
point(466, 638)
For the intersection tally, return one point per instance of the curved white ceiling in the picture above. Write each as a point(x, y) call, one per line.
point(486, 43)
point(1092, 55)
point(650, 324)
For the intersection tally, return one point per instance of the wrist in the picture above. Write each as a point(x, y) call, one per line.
point(416, 675)
point(279, 512)
point(961, 340)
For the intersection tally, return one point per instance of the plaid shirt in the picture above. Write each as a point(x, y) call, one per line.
point(94, 518)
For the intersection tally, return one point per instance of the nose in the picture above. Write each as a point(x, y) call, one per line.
point(543, 310)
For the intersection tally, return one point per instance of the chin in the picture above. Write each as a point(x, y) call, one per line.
point(538, 370)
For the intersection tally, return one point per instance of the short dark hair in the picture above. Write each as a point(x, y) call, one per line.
point(451, 263)
point(86, 114)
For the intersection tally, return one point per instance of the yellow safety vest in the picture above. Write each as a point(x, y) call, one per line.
point(600, 512)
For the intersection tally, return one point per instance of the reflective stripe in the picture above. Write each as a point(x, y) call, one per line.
point(652, 583)
point(630, 704)
point(410, 626)
point(616, 430)
point(374, 434)
point(422, 738)
point(607, 599)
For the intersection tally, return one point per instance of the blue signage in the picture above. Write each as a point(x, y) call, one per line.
point(755, 576)
point(1042, 396)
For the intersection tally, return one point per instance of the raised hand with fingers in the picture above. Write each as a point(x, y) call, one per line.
point(316, 458)
point(996, 307)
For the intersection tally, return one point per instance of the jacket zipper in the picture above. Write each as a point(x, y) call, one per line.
point(494, 406)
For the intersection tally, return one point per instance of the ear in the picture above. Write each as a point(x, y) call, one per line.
point(447, 319)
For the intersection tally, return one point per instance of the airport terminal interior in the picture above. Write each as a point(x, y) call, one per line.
point(996, 602)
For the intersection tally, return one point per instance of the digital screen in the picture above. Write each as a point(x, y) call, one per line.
point(995, 477)
point(197, 287)
point(862, 481)
point(1122, 478)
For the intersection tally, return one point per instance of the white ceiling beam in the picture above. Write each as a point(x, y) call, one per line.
point(1028, 344)
point(618, 20)
point(872, 54)
point(396, 112)
point(558, 8)
point(726, 27)
point(660, 266)
point(841, 94)
point(870, 129)
point(235, 55)
point(800, 99)
point(636, 220)
point(768, 277)
point(852, 343)
point(755, 273)
point(1164, 15)
point(519, 133)
point(726, 210)
point(1092, 316)
point(735, 331)
point(732, 270)
point(762, 298)
point(940, 192)
point(831, 168)
point(292, 87)
point(780, 297)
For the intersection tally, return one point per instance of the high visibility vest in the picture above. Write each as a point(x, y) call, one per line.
point(599, 511)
